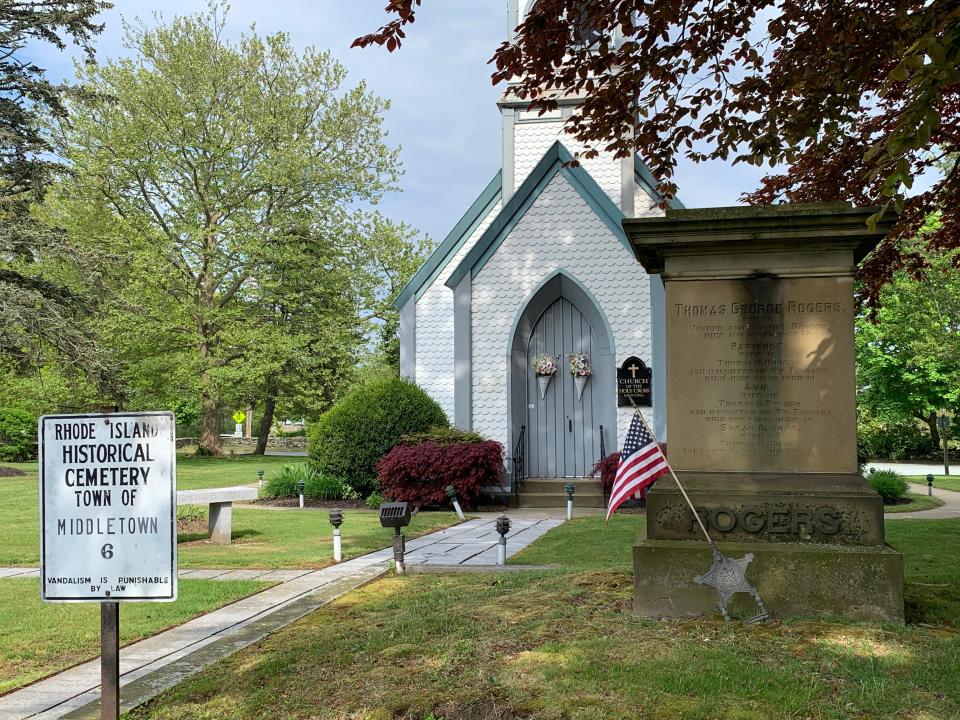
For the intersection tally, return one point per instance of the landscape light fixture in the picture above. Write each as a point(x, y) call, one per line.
point(569, 488)
point(396, 515)
point(930, 484)
point(503, 527)
point(300, 486)
point(336, 519)
point(260, 478)
point(452, 494)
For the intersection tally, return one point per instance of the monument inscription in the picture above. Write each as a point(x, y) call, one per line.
point(760, 378)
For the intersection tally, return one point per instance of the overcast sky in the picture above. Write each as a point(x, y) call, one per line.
point(444, 114)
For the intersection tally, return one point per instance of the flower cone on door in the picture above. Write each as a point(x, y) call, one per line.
point(580, 381)
point(544, 367)
point(544, 382)
point(581, 371)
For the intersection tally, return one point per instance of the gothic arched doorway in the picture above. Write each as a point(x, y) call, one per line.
point(563, 428)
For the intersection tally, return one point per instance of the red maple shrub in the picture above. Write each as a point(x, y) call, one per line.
point(606, 468)
point(418, 473)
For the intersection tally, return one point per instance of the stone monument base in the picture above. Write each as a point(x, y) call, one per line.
point(796, 508)
point(795, 580)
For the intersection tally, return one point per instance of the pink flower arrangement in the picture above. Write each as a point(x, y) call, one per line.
point(544, 365)
point(580, 365)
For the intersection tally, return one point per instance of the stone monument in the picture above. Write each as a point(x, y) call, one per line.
point(761, 414)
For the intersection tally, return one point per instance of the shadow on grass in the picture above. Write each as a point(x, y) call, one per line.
point(931, 604)
point(183, 538)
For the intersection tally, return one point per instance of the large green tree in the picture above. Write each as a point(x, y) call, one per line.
point(226, 182)
point(41, 315)
point(908, 354)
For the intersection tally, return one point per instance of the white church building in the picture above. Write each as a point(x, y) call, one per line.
point(539, 264)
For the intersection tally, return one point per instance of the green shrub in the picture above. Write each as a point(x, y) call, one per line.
point(419, 474)
point(441, 436)
point(315, 485)
point(187, 514)
point(890, 485)
point(883, 440)
point(350, 439)
point(375, 500)
point(284, 483)
point(18, 435)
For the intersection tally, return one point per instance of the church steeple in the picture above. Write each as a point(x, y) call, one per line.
point(528, 135)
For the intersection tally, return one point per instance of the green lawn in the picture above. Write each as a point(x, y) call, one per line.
point(298, 538)
point(945, 482)
point(262, 538)
point(564, 645)
point(19, 520)
point(38, 639)
point(203, 472)
point(917, 503)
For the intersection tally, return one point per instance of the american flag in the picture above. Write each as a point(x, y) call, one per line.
point(641, 463)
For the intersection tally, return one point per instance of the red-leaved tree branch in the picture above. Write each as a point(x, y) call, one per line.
point(845, 99)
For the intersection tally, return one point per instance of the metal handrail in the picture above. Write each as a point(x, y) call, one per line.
point(603, 454)
point(519, 461)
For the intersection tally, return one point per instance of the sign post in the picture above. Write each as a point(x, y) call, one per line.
point(239, 417)
point(108, 521)
point(943, 421)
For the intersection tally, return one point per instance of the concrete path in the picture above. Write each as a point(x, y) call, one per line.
point(912, 468)
point(949, 509)
point(951, 498)
point(150, 666)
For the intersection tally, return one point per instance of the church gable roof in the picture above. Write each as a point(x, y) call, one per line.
point(646, 181)
point(552, 163)
point(454, 240)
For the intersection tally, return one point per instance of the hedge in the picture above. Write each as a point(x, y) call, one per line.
point(352, 437)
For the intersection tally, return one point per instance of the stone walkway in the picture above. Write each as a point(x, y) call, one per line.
point(150, 666)
point(949, 509)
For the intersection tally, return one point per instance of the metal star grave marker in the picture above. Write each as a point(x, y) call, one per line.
point(729, 577)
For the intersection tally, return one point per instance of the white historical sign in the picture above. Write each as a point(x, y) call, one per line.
point(108, 507)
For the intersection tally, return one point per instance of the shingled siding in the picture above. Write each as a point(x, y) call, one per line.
point(559, 231)
point(533, 139)
point(435, 328)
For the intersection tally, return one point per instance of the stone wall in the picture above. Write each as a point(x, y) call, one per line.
point(248, 444)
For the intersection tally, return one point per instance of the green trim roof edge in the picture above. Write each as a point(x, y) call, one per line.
point(454, 240)
point(550, 164)
point(649, 183)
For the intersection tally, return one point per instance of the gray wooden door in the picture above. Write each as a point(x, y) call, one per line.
point(562, 432)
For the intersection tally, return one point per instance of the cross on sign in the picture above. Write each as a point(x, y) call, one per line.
point(633, 371)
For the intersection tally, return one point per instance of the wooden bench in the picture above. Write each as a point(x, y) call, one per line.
point(220, 506)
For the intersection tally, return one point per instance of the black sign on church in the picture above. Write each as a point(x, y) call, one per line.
point(634, 382)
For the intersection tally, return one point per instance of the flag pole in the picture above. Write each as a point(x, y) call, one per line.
point(675, 478)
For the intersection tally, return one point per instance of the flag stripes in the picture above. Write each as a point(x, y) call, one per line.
point(641, 463)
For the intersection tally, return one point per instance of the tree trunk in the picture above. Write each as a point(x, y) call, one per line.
point(931, 421)
point(210, 429)
point(266, 421)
